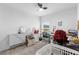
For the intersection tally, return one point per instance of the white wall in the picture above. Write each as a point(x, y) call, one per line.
point(78, 16)
point(11, 19)
point(68, 18)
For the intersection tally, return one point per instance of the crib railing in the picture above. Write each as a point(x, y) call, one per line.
point(61, 50)
point(54, 49)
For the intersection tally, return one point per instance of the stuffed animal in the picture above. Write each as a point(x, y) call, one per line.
point(75, 40)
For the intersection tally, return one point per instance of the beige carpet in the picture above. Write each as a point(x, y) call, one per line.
point(23, 50)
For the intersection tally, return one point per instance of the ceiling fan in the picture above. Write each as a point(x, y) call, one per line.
point(40, 5)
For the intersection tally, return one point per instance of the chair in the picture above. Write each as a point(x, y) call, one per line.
point(60, 37)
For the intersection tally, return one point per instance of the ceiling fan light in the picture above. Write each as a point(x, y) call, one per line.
point(41, 9)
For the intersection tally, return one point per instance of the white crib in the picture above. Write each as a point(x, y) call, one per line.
point(56, 50)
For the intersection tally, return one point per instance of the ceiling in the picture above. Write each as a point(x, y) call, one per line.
point(32, 8)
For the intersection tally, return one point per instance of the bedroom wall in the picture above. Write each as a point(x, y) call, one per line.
point(78, 16)
point(68, 18)
point(11, 19)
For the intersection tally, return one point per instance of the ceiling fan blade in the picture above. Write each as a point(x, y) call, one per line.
point(44, 7)
point(40, 5)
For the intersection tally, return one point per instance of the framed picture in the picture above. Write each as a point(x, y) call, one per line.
point(60, 23)
point(78, 25)
point(46, 28)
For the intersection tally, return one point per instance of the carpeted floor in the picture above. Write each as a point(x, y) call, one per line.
point(23, 50)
